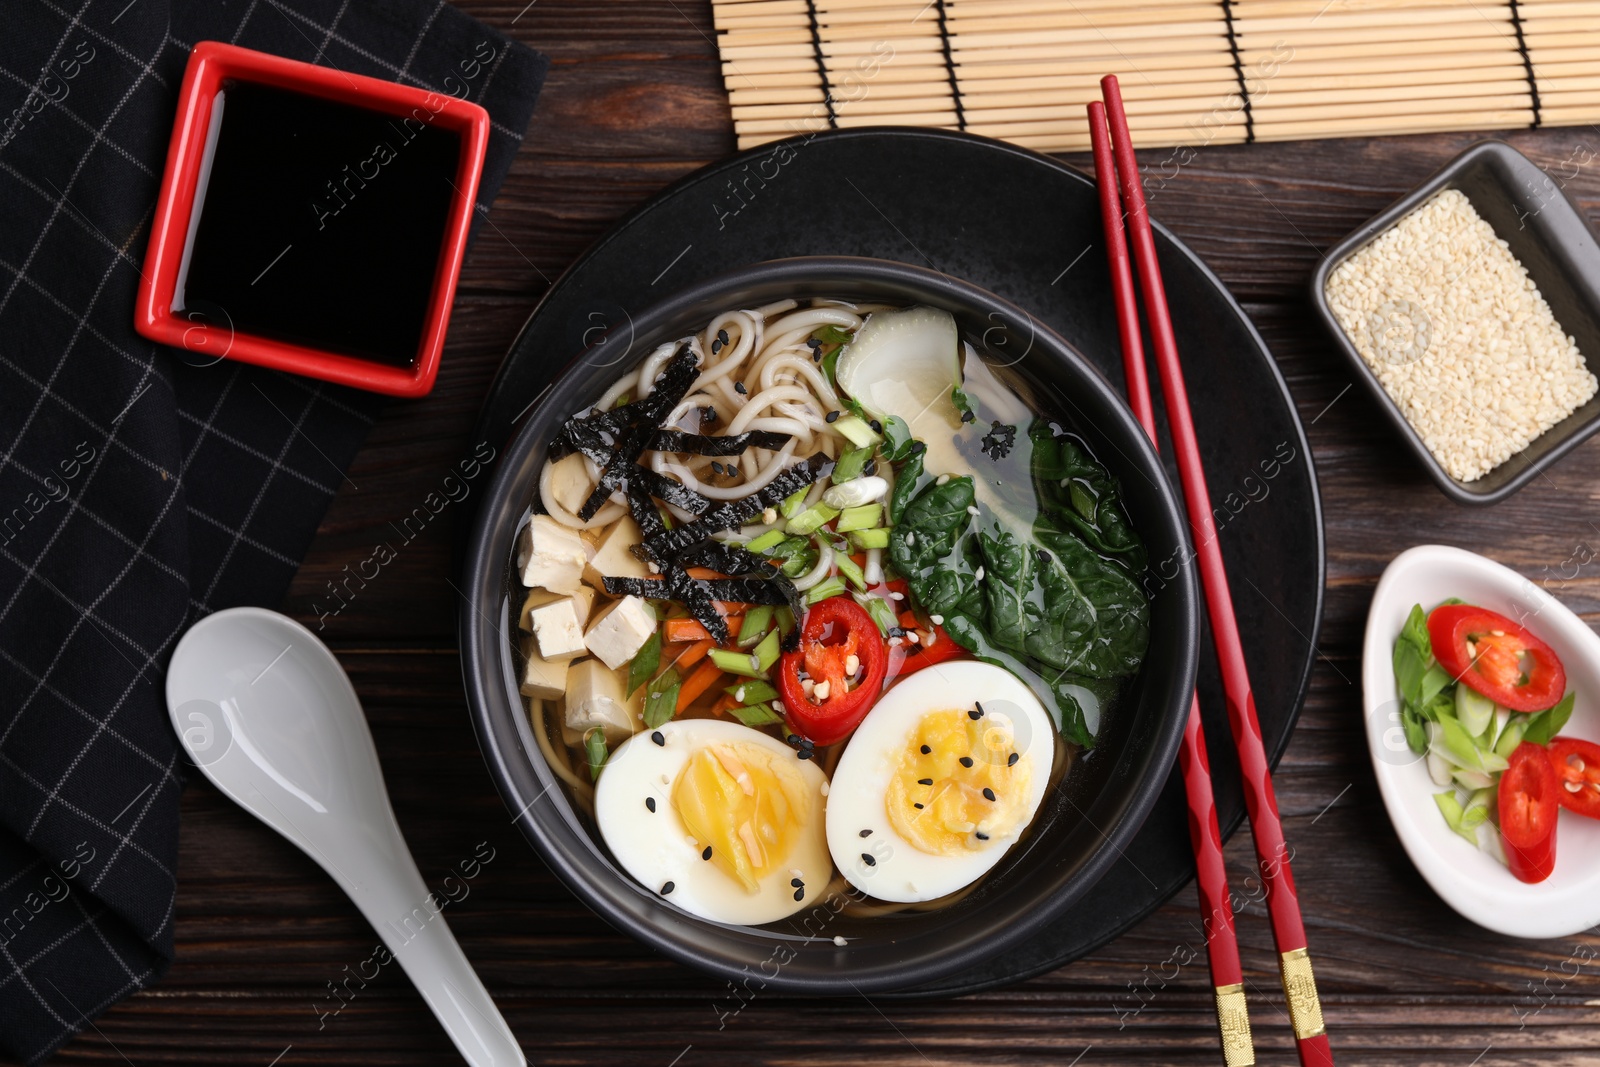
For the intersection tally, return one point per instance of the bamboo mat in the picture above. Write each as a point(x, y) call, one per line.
point(1194, 72)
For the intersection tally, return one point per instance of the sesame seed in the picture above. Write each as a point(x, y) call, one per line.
point(667, 887)
point(839, 940)
point(793, 739)
point(705, 855)
point(924, 781)
point(981, 836)
point(976, 713)
point(1045, 557)
point(943, 479)
point(797, 883)
point(877, 427)
point(865, 833)
point(722, 335)
point(988, 794)
point(1012, 759)
point(972, 509)
point(966, 761)
point(871, 468)
point(937, 620)
point(926, 750)
point(658, 738)
point(769, 516)
point(919, 807)
point(716, 346)
point(804, 753)
point(978, 576)
point(831, 416)
point(650, 802)
point(739, 388)
point(866, 857)
point(800, 894)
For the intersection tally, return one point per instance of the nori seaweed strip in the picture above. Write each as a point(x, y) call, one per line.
point(675, 382)
point(700, 444)
point(744, 590)
point(726, 559)
point(797, 604)
point(644, 509)
point(734, 513)
point(672, 387)
point(670, 490)
point(676, 584)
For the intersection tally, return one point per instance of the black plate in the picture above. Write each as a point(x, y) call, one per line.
point(1027, 228)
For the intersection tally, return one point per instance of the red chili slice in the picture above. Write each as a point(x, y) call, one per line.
point(1490, 653)
point(833, 630)
point(1577, 766)
point(1528, 808)
point(907, 658)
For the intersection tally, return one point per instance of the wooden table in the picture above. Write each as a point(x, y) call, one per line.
point(634, 101)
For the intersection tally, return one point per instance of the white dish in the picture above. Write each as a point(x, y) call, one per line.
point(1469, 880)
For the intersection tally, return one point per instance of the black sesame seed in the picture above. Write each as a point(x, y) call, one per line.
point(706, 854)
point(722, 335)
point(658, 739)
point(977, 712)
point(981, 836)
point(871, 468)
point(813, 342)
point(739, 388)
point(800, 894)
point(877, 427)
point(918, 448)
point(804, 753)
point(1045, 557)
point(794, 739)
point(865, 833)
point(988, 794)
point(926, 750)
point(924, 781)
point(797, 883)
point(966, 761)
point(708, 415)
point(816, 355)
point(716, 346)
point(650, 802)
point(1012, 759)
point(967, 416)
point(919, 807)
point(667, 887)
point(866, 857)
point(831, 416)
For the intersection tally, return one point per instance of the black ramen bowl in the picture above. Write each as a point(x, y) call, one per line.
point(1082, 826)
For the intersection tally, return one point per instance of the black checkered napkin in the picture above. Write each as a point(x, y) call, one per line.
point(140, 487)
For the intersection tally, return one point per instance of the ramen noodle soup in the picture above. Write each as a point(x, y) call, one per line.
point(818, 602)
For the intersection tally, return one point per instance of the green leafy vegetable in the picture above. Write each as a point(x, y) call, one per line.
point(594, 750)
point(1082, 496)
point(829, 334)
point(897, 441)
point(963, 404)
point(645, 661)
point(850, 464)
point(661, 698)
point(909, 481)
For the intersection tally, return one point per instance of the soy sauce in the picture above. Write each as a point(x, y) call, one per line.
point(322, 223)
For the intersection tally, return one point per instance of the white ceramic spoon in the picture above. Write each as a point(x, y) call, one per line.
point(272, 720)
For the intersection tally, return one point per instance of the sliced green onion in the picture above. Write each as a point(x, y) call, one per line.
point(765, 541)
point(594, 748)
point(794, 503)
point(741, 663)
point(756, 715)
point(875, 538)
point(880, 611)
point(1450, 808)
point(645, 661)
point(785, 620)
point(1474, 711)
point(812, 519)
point(855, 430)
point(1511, 737)
point(661, 698)
point(1476, 813)
point(851, 464)
point(1470, 779)
point(864, 517)
point(755, 691)
point(848, 568)
point(757, 621)
point(766, 653)
point(799, 563)
point(824, 589)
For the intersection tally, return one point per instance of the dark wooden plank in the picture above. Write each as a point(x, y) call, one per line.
point(634, 102)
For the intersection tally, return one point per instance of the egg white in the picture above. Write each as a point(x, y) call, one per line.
point(883, 863)
point(656, 848)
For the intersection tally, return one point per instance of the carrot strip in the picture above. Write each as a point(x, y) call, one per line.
point(694, 654)
point(698, 682)
point(724, 703)
point(679, 631)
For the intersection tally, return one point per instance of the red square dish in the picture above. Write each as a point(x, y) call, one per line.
point(311, 220)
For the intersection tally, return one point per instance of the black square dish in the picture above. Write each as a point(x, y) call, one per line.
point(1549, 235)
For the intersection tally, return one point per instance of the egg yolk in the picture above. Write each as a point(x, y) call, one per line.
point(958, 784)
point(746, 804)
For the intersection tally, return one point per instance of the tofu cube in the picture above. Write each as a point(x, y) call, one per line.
point(570, 484)
point(613, 556)
point(557, 628)
point(595, 697)
point(583, 605)
point(620, 631)
point(550, 556)
point(543, 678)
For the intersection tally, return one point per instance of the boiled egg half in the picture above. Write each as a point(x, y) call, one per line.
point(721, 820)
point(941, 778)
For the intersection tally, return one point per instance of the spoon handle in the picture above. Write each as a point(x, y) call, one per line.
point(381, 877)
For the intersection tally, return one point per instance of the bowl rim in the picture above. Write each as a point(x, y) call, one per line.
point(1495, 154)
point(490, 687)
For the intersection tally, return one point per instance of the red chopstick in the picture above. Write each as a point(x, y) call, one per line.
point(1272, 854)
point(1216, 903)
